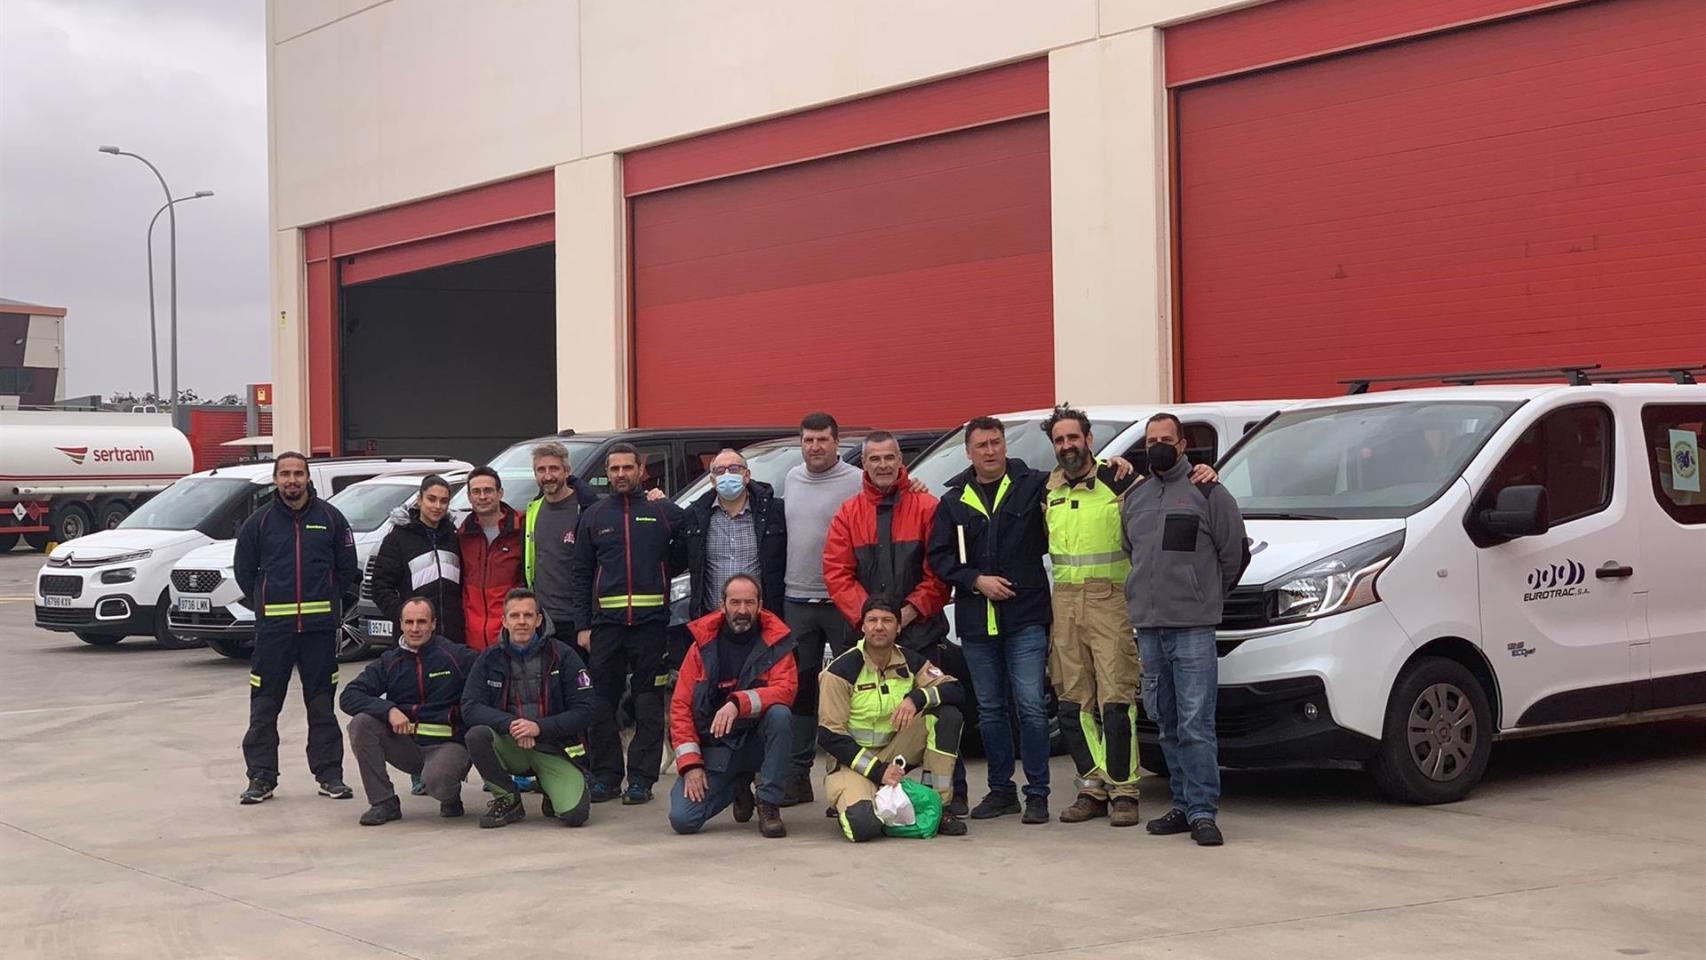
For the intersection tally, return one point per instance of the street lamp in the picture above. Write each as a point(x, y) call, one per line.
point(153, 327)
point(172, 232)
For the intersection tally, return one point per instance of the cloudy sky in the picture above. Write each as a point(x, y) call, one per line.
point(183, 83)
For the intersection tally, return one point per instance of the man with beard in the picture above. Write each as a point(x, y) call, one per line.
point(549, 533)
point(421, 558)
point(731, 714)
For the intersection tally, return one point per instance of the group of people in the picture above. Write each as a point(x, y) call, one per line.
point(524, 635)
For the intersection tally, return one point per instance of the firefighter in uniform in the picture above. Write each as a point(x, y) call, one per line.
point(1092, 650)
point(880, 702)
point(295, 563)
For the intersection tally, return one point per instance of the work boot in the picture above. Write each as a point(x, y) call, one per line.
point(743, 801)
point(336, 789)
point(1122, 812)
point(637, 794)
point(956, 806)
point(546, 809)
point(1084, 808)
point(828, 811)
point(770, 821)
point(995, 805)
point(451, 809)
point(258, 791)
point(600, 792)
point(1206, 833)
point(1173, 822)
point(1036, 810)
point(797, 790)
point(503, 811)
point(952, 827)
point(384, 811)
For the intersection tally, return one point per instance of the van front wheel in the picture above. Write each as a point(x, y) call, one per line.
point(1438, 735)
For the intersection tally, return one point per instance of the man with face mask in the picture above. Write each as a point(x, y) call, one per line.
point(731, 714)
point(421, 557)
point(737, 527)
point(406, 710)
point(1187, 549)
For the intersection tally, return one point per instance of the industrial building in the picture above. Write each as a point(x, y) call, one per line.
point(32, 354)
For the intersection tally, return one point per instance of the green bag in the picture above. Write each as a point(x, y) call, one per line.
point(926, 810)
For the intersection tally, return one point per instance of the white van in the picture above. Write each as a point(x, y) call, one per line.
point(114, 583)
point(1435, 569)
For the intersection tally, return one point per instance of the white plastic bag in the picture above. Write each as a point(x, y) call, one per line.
point(894, 807)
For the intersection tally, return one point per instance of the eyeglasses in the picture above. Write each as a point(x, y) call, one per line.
point(1152, 441)
point(732, 468)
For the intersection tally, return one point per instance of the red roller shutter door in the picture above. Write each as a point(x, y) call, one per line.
point(1523, 193)
point(902, 285)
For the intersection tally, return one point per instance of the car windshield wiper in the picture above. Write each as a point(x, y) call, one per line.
point(1274, 515)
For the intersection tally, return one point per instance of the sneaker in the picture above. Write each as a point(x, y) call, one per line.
point(417, 786)
point(451, 809)
point(599, 792)
point(952, 827)
point(1206, 833)
point(1036, 810)
point(995, 805)
point(503, 811)
point(382, 812)
point(258, 791)
point(1122, 812)
point(1084, 808)
point(336, 789)
point(743, 801)
point(637, 794)
point(770, 823)
point(797, 790)
point(957, 806)
point(1173, 822)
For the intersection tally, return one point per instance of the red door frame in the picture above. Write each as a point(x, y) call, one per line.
point(467, 225)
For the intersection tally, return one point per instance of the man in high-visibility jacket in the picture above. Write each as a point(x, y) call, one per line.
point(549, 533)
point(1093, 659)
point(880, 702)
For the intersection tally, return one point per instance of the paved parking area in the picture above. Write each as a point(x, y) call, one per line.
point(120, 836)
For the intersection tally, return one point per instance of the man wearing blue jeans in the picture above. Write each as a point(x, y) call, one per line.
point(1187, 552)
point(988, 543)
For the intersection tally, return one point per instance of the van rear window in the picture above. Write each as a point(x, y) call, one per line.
point(1674, 432)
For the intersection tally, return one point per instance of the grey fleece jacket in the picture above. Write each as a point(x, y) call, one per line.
point(1186, 543)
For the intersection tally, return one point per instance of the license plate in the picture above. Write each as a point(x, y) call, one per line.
point(195, 604)
point(56, 601)
point(377, 628)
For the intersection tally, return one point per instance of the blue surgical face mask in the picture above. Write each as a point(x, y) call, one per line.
point(730, 485)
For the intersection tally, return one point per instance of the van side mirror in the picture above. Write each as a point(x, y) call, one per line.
point(1517, 512)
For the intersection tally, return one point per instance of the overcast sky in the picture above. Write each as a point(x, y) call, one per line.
point(183, 83)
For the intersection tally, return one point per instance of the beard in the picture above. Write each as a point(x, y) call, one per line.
point(740, 622)
point(1073, 458)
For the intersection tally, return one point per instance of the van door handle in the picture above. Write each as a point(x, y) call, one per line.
point(1612, 570)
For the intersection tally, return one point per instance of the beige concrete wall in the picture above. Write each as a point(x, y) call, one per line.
point(592, 295)
point(289, 343)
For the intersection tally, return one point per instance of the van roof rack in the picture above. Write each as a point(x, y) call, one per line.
point(1574, 374)
point(1677, 374)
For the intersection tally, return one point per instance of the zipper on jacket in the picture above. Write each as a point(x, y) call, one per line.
point(299, 573)
point(420, 684)
point(628, 555)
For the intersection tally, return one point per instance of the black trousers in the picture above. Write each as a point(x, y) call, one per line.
point(314, 657)
point(628, 658)
point(813, 625)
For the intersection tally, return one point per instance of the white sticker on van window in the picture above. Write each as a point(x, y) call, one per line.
point(1684, 461)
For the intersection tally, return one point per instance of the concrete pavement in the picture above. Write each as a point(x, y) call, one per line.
point(120, 836)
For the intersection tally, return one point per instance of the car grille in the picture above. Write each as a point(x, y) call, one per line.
point(196, 581)
point(217, 617)
point(1246, 609)
point(65, 616)
point(367, 578)
point(56, 586)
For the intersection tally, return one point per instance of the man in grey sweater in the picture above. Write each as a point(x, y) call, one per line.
point(814, 491)
point(1187, 552)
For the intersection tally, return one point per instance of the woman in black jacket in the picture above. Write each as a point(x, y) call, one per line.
point(422, 558)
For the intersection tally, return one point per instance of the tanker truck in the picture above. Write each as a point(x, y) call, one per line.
point(66, 473)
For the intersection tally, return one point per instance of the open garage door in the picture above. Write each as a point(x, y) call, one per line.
point(1515, 194)
point(457, 360)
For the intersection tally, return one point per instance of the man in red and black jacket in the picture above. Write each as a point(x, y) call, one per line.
point(731, 715)
point(406, 710)
point(493, 549)
point(626, 550)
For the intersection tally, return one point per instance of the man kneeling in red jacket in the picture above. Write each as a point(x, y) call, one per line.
point(731, 714)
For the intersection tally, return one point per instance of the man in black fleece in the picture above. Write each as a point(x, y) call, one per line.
point(528, 703)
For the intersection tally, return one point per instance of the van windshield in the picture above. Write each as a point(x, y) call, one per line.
point(185, 504)
point(946, 458)
point(1362, 461)
point(367, 505)
point(515, 466)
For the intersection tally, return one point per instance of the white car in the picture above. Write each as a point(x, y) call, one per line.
point(114, 583)
point(1436, 569)
point(207, 605)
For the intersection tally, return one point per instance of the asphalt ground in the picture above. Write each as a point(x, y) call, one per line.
point(120, 836)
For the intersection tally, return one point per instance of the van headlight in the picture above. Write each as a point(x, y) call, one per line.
point(121, 575)
point(678, 589)
point(1335, 584)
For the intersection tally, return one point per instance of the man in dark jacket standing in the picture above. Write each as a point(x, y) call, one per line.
point(988, 544)
point(492, 546)
point(528, 703)
point(422, 558)
point(731, 715)
point(1186, 544)
point(626, 551)
point(406, 710)
point(295, 563)
point(738, 526)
